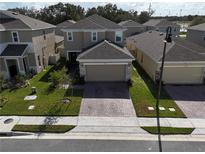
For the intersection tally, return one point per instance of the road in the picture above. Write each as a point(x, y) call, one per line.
point(22, 145)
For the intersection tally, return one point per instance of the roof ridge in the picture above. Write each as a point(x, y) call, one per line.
point(96, 23)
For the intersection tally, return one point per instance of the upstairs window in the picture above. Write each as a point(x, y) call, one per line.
point(70, 36)
point(94, 36)
point(118, 36)
point(15, 36)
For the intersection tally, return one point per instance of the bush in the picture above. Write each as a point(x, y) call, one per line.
point(2, 81)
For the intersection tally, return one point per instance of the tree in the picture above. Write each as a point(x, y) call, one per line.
point(144, 17)
point(197, 20)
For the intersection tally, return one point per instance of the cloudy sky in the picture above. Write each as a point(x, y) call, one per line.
point(161, 9)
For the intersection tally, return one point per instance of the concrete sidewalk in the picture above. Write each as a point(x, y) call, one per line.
point(105, 124)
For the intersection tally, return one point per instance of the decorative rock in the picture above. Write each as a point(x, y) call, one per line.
point(31, 107)
point(30, 98)
point(150, 108)
point(161, 108)
point(172, 109)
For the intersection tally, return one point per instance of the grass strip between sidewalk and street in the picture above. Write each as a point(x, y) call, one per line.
point(168, 130)
point(43, 128)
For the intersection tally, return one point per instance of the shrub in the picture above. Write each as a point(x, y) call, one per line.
point(55, 78)
point(2, 81)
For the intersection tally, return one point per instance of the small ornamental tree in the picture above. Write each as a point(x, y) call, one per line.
point(55, 78)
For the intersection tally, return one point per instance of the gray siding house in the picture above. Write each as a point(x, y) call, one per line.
point(98, 45)
point(161, 26)
point(196, 34)
point(26, 44)
point(184, 60)
point(132, 27)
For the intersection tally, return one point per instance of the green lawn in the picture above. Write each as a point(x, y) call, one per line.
point(43, 128)
point(169, 130)
point(143, 94)
point(47, 103)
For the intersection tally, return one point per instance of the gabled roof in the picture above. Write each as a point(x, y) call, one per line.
point(66, 23)
point(130, 23)
point(95, 22)
point(200, 27)
point(151, 43)
point(12, 21)
point(159, 23)
point(14, 50)
point(105, 51)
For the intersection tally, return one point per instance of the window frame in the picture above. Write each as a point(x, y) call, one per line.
point(121, 35)
point(71, 36)
point(39, 60)
point(17, 35)
point(94, 32)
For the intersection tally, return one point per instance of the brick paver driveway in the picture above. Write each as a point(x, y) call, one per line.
point(107, 99)
point(191, 99)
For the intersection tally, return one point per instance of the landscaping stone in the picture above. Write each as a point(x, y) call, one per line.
point(30, 98)
point(172, 109)
point(161, 108)
point(31, 107)
point(150, 108)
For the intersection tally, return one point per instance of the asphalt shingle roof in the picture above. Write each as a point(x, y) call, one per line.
point(94, 22)
point(129, 23)
point(106, 50)
point(151, 43)
point(159, 23)
point(66, 23)
point(200, 27)
point(11, 21)
point(14, 50)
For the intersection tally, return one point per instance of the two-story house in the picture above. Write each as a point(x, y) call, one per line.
point(98, 45)
point(196, 34)
point(161, 26)
point(25, 44)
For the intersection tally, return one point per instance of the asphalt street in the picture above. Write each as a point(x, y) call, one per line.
point(23, 145)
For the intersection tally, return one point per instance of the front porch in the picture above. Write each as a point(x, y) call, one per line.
point(14, 60)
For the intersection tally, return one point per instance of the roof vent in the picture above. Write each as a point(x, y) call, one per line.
point(161, 34)
point(150, 31)
point(14, 13)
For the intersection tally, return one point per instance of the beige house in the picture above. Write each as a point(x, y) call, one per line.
point(161, 26)
point(132, 27)
point(184, 62)
point(196, 34)
point(26, 44)
point(98, 45)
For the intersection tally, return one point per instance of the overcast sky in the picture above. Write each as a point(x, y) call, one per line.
point(161, 9)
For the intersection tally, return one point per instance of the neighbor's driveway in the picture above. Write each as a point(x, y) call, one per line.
point(191, 99)
point(107, 99)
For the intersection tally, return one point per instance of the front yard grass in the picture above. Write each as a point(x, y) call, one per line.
point(168, 130)
point(143, 93)
point(43, 128)
point(46, 104)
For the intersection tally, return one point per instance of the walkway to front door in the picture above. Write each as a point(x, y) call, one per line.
point(107, 100)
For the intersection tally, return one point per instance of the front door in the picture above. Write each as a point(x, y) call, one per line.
point(12, 67)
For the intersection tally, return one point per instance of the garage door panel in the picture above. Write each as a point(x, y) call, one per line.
point(105, 73)
point(190, 75)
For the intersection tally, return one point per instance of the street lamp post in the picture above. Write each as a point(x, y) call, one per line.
point(167, 39)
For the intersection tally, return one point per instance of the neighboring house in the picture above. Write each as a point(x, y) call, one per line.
point(132, 27)
point(196, 34)
point(161, 26)
point(98, 45)
point(184, 62)
point(26, 44)
point(63, 25)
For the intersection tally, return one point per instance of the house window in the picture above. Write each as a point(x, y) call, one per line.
point(94, 36)
point(142, 58)
point(70, 36)
point(44, 35)
point(39, 60)
point(204, 38)
point(15, 37)
point(118, 36)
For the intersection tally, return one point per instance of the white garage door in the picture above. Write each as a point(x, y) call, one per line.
point(180, 75)
point(105, 73)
